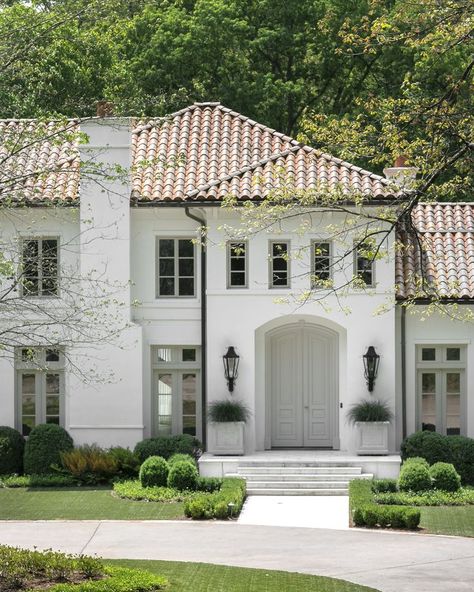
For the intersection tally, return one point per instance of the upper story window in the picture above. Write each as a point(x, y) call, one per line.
point(40, 269)
point(364, 266)
point(237, 264)
point(321, 255)
point(279, 264)
point(176, 267)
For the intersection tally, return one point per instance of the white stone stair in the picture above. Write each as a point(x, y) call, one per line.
point(298, 478)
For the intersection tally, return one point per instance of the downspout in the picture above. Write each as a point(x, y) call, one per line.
point(202, 224)
point(404, 371)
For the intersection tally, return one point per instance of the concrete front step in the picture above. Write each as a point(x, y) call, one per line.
point(251, 477)
point(298, 463)
point(298, 485)
point(299, 491)
point(272, 470)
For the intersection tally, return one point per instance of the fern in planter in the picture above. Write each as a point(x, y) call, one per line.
point(226, 411)
point(367, 410)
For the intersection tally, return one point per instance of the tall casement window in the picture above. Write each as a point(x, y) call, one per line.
point(321, 259)
point(39, 267)
point(40, 387)
point(279, 264)
point(364, 267)
point(237, 264)
point(176, 267)
point(176, 401)
point(441, 388)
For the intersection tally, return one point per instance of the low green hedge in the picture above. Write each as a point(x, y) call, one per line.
point(365, 512)
point(14, 481)
point(22, 569)
point(223, 504)
point(166, 446)
point(457, 450)
point(433, 497)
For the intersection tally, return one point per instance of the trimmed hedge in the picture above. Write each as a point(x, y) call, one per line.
point(365, 512)
point(223, 504)
point(43, 448)
point(154, 472)
point(414, 476)
point(166, 446)
point(416, 460)
point(433, 497)
point(384, 486)
point(15, 481)
point(178, 457)
point(183, 475)
point(12, 446)
point(457, 450)
point(445, 477)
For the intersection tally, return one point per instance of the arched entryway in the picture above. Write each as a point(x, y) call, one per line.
point(302, 392)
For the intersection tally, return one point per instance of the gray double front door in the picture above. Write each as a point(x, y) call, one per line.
point(302, 386)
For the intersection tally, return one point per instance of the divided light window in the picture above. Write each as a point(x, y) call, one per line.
point(321, 263)
point(39, 267)
point(237, 264)
point(364, 267)
point(279, 264)
point(176, 274)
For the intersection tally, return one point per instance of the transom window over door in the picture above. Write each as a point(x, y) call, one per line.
point(40, 387)
point(39, 267)
point(176, 262)
point(442, 388)
point(176, 402)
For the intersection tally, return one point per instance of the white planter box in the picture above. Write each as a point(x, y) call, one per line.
point(226, 438)
point(373, 437)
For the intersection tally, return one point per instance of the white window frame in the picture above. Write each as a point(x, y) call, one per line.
point(177, 368)
point(245, 244)
point(357, 271)
point(39, 367)
point(314, 243)
point(271, 259)
point(176, 259)
point(39, 239)
point(440, 367)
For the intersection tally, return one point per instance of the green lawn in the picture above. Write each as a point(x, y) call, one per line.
point(80, 504)
point(454, 520)
point(203, 577)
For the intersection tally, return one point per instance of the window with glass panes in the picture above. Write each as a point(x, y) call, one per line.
point(176, 404)
point(279, 264)
point(39, 267)
point(321, 262)
point(236, 264)
point(176, 267)
point(40, 387)
point(364, 267)
point(441, 388)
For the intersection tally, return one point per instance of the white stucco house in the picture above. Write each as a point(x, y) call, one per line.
point(301, 363)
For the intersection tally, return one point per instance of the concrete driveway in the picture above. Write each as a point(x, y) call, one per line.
point(388, 561)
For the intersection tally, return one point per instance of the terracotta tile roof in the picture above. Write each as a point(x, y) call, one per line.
point(38, 161)
point(206, 151)
point(440, 252)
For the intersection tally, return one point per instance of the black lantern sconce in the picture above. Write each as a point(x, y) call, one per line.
point(231, 366)
point(371, 367)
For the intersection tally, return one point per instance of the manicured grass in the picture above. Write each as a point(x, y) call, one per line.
point(80, 504)
point(203, 577)
point(453, 520)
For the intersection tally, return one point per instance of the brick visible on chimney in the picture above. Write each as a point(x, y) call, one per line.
point(105, 108)
point(400, 161)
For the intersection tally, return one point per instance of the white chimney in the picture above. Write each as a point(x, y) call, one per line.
point(400, 174)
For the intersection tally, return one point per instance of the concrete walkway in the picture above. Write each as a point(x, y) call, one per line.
point(313, 511)
point(387, 561)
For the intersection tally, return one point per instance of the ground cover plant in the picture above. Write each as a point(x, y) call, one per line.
point(204, 577)
point(21, 569)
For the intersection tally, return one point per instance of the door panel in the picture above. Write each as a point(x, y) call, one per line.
point(303, 386)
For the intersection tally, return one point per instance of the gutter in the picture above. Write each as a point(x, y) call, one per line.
point(202, 224)
point(404, 371)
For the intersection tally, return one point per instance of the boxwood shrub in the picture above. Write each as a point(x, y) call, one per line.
point(223, 504)
point(12, 445)
point(166, 446)
point(178, 457)
point(154, 472)
point(445, 477)
point(416, 460)
point(183, 475)
point(43, 448)
point(365, 512)
point(457, 450)
point(414, 477)
point(384, 485)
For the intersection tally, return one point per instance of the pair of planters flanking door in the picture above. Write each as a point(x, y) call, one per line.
point(302, 387)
